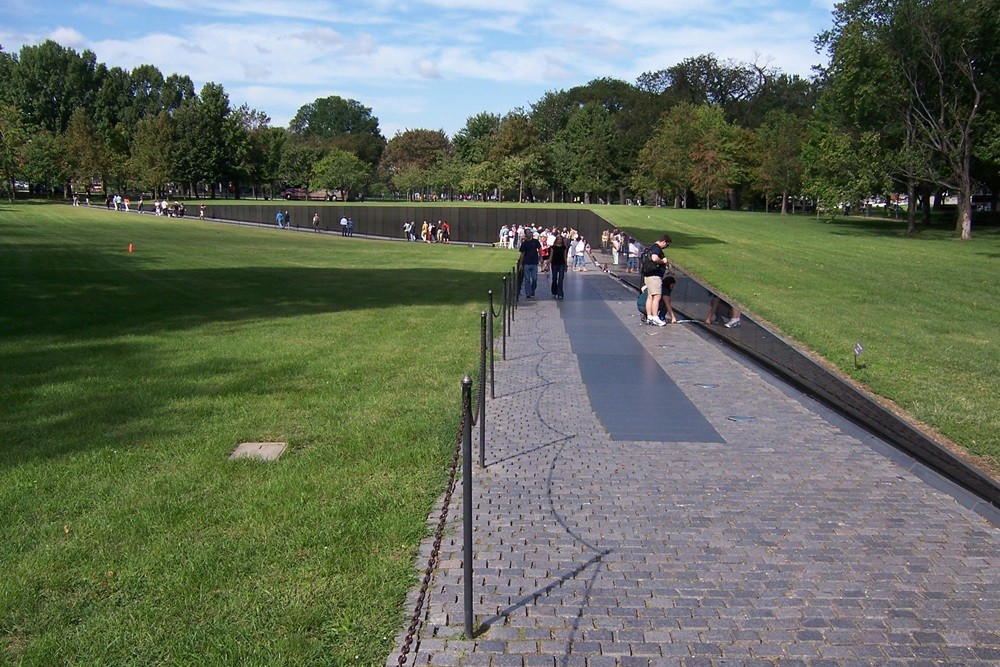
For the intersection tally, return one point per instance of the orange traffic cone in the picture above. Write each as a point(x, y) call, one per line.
point(130, 247)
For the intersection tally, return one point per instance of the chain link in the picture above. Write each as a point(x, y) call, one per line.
point(432, 560)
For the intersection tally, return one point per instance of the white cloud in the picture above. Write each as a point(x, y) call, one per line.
point(421, 63)
point(68, 37)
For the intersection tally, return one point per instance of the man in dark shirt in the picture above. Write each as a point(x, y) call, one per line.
point(528, 262)
point(654, 268)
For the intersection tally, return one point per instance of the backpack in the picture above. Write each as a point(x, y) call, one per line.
point(646, 264)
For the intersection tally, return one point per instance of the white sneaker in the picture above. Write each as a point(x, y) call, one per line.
point(656, 321)
point(735, 322)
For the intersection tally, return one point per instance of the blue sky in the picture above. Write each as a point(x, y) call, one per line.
point(419, 64)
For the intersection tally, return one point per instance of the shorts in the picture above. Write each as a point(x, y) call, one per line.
point(654, 285)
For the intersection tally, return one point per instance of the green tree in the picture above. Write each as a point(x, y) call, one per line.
point(446, 175)
point(664, 163)
point(941, 59)
point(481, 178)
point(151, 162)
point(251, 150)
point(516, 151)
point(713, 153)
point(297, 160)
point(177, 89)
point(202, 141)
point(592, 138)
point(341, 123)
point(472, 142)
point(49, 81)
point(12, 140)
point(43, 164)
point(339, 170)
point(147, 93)
point(840, 169)
point(413, 149)
point(84, 151)
point(778, 152)
point(411, 179)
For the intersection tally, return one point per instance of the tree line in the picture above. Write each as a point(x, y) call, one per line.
point(907, 106)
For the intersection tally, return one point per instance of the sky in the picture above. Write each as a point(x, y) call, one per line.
point(421, 64)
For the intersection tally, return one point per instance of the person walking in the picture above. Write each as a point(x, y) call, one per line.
point(557, 263)
point(316, 221)
point(527, 262)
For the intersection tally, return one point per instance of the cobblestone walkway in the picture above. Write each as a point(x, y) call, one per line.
point(792, 543)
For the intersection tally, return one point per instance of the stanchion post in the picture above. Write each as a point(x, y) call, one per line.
point(489, 345)
point(467, 500)
point(482, 392)
point(506, 289)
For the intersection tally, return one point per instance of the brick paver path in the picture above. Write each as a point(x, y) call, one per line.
point(792, 543)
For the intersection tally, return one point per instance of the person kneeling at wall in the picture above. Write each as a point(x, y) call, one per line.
point(666, 308)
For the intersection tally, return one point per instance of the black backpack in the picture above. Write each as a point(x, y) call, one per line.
point(646, 264)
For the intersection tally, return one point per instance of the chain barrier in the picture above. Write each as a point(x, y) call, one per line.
point(462, 442)
point(432, 561)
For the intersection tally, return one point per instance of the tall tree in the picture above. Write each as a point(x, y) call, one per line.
point(472, 142)
point(43, 165)
point(778, 152)
point(152, 151)
point(49, 81)
point(341, 123)
point(420, 149)
point(201, 139)
point(339, 170)
point(664, 163)
point(593, 139)
point(12, 139)
point(941, 56)
point(84, 151)
point(177, 89)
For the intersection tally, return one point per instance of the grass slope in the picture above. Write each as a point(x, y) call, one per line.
point(129, 537)
point(925, 307)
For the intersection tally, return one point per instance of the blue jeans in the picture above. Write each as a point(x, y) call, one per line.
point(530, 279)
point(558, 276)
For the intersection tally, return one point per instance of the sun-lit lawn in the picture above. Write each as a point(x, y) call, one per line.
point(925, 307)
point(129, 538)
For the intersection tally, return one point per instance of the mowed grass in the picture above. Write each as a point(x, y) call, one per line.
point(129, 538)
point(925, 308)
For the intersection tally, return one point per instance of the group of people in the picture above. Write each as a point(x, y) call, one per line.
point(124, 204)
point(346, 225)
point(430, 232)
point(549, 251)
point(283, 219)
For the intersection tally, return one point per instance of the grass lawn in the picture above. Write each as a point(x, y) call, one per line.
point(129, 538)
point(925, 308)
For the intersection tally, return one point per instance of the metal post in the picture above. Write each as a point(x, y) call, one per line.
point(489, 344)
point(467, 499)
point(506, 289)
point(482, 392)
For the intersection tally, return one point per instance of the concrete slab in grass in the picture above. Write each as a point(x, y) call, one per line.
point(266, 451)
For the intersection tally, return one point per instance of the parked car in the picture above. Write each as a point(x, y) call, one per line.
point(313, 195)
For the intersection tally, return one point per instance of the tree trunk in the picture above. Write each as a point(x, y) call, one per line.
point(784, 202)
point(911, 212)
point(965, 195)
